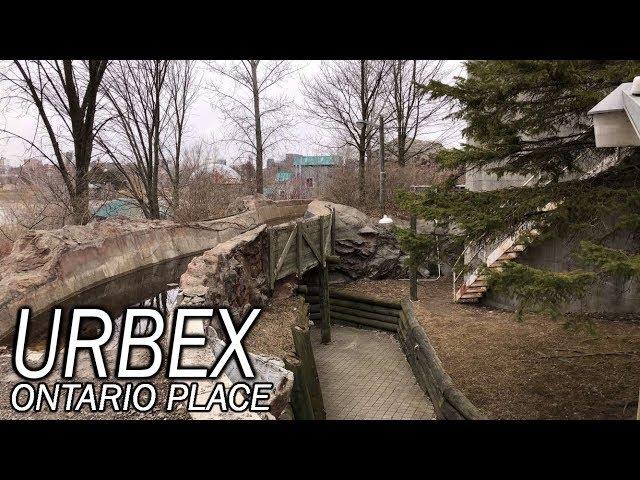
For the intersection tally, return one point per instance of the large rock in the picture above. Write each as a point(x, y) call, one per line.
point(230, 275)
point(366, 249)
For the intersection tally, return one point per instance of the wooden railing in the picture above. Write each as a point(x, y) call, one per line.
point(300, 245)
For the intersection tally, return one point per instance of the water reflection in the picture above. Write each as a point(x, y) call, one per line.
point(155, 286)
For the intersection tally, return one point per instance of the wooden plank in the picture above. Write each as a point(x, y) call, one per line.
point(365, 307)
point(302, 342)
point(364, 314)
point(364, 321)
point(364, 299)
point(300, 398)
point(333, 231)
point(322, 242)
point(324, 304)
point(283, 255)
point(312, 246)
point(326, 236)
point(271, 261)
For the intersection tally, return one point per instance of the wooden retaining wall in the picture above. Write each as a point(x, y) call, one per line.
point(354, 309)
point(449, 402)
point(306, 396)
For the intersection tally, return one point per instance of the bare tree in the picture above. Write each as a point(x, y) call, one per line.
point(66, 95)
point(413, 114)
point(136, 90)
point(257, 117)
point(183, 83)
point(344, 93)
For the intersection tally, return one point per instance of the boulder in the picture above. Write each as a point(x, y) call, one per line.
point(366, 249)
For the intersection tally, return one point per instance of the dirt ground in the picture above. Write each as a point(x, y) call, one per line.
point(535, 369)
point(271, 334)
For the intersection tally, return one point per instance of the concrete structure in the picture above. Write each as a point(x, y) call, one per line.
point(616, 118)
point(47, 267)
point(616, 124)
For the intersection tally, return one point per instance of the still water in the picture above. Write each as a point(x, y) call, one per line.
point(154, 286)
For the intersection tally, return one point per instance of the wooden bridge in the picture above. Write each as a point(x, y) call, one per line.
point(301, 245)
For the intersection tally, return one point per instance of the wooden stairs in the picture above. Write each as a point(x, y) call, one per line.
point(475, 286)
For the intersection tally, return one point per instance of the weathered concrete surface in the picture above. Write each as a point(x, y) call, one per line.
point(230, 275)
point(366, 249)
point(365, 376)
point(46, 267)
point(613, 295)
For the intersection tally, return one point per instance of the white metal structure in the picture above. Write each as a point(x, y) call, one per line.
point(616, 118)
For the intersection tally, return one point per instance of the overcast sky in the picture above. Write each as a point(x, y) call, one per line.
point(206, 121)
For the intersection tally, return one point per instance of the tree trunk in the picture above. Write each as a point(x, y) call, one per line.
point(256, 113)
point(402, 142)
point(80, 198)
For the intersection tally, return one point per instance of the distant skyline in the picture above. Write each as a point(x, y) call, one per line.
point(206, 122)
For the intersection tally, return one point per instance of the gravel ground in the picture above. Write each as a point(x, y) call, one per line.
point(535, 369)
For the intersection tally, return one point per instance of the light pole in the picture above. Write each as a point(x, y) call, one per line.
point(385, 220)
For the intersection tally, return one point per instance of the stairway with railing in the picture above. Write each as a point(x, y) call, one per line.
point(510, 247)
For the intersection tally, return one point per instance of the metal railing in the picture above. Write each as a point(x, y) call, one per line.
point(606, 163)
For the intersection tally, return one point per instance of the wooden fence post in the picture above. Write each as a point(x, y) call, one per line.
point(302, 342)
point(324, 290)
point(272, 258)
point(333, 231)
point(300, 398)
point(299, 247)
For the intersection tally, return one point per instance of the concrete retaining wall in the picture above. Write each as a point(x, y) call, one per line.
point(47, 267)
point(614, 295)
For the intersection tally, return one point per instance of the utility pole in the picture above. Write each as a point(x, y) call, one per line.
point(382, 172)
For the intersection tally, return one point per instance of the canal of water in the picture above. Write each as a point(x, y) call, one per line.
point(155, 286)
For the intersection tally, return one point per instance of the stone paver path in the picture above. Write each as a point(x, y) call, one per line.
point(364, 375)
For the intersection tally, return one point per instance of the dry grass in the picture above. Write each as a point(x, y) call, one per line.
point(342, 185)
point(536, 369)
point(271, 335)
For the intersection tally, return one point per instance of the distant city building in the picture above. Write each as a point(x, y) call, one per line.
point(298, 176)
point(312, 172)
point(290, 157)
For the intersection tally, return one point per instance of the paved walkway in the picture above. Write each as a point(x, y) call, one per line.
point(364, 375)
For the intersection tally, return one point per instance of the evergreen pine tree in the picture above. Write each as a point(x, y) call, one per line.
point(530, 118)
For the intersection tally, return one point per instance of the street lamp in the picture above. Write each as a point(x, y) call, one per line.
point(385, 220)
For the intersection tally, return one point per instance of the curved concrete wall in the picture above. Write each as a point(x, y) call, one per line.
point(47, 267)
